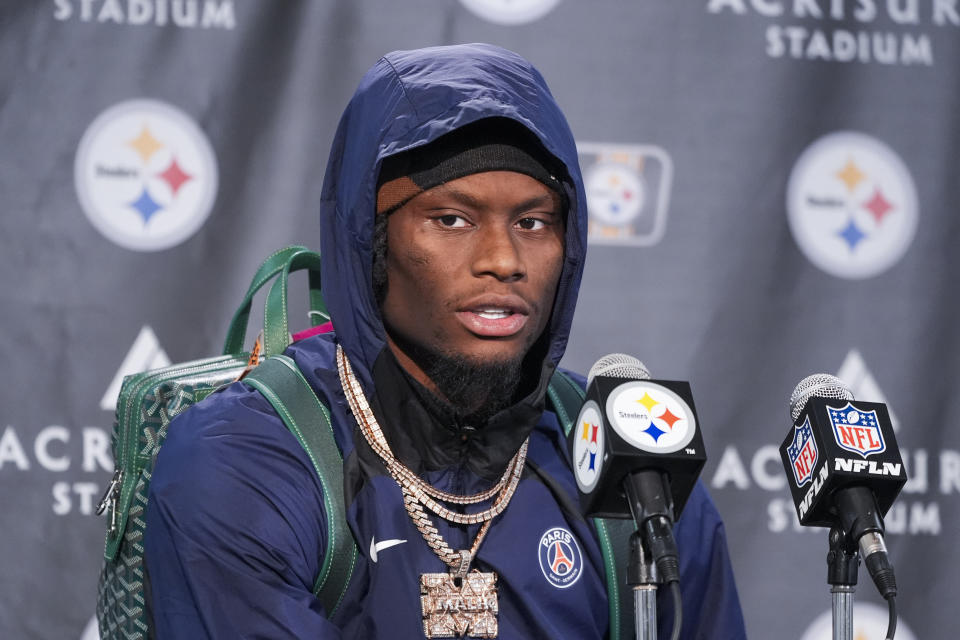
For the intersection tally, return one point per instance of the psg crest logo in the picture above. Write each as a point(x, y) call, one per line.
point(560, 559)
point(857, 431)
point(803, 453)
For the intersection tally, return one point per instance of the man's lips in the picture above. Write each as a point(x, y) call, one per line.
point(494, 317)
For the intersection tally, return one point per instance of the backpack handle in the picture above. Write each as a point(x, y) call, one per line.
point(277, 263)
point(276, 328)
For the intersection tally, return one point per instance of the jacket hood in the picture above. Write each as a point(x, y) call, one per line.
point(408, 99)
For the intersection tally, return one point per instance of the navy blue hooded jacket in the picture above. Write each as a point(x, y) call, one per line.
point(236, 524)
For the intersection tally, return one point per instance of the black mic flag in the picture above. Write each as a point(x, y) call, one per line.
point(844, 469)
point(632, 423)
point(637, 451)
point(838, 442)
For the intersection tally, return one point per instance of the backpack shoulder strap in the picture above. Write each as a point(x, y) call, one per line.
point(566, 397)
point(279, 379)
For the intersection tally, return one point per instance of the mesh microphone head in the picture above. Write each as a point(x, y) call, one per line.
point(618, 365)
point(819, 385)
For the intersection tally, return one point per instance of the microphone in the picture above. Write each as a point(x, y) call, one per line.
point(637, 452)
point(844, 468)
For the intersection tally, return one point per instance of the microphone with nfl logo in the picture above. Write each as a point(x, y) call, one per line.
point(844, 470)
point(637, 452)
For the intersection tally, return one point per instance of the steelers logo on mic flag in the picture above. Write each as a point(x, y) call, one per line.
point(588, 447)
point(651, 417)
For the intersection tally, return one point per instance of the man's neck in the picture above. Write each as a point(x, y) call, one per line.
point(428, 434)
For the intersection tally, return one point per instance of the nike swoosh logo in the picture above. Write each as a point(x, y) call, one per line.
point(380, 546)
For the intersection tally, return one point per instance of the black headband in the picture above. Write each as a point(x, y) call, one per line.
point(492, 144)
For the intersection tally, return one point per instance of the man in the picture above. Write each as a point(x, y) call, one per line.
point(454, 227)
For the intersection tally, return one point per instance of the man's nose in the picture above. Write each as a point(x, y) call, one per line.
point(498, 253)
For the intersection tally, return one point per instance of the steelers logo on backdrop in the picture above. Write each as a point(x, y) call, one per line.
point(145, 175)
point(851, 205)
point(651, 417)
point(869, 623)
point(628, 192)
point(560, 559)
point(588, 446)
point(510, 12)
point(615, 194)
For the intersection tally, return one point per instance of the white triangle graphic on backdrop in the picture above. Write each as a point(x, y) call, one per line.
point(861, 382)
point(90, 632)
point(145, 354)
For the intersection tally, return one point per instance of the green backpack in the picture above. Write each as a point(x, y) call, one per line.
point(149, 401)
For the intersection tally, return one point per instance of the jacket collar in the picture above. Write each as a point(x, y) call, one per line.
point(428, 435)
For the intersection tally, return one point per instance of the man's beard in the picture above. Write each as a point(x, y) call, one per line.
point(479, 389)
point(474, 388)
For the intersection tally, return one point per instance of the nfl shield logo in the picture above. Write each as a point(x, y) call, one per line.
point(856, 430)
point(803, 453)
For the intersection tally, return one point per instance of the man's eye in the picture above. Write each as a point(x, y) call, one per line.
point(451, 220)
point(531, 224)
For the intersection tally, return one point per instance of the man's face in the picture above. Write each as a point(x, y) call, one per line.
point(472, 269)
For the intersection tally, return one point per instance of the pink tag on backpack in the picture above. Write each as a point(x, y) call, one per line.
point(326, 327)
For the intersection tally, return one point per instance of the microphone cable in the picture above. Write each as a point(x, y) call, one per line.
point(892, 616)
point(678, 611)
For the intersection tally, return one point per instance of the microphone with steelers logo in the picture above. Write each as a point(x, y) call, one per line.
point(637, 452)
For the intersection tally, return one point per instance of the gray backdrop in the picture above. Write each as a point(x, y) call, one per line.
point(773, 194)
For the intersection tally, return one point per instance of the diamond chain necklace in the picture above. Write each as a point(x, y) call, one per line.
point(462, 601)
point(417, 493)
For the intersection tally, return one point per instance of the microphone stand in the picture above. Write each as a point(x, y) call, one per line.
point(652, 544)
point(642, 576)
point(842, 563)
